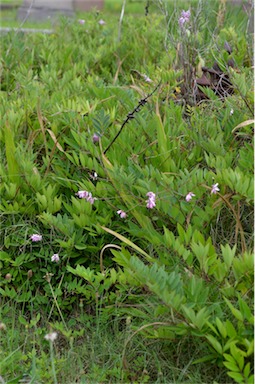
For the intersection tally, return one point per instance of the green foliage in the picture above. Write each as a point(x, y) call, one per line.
point(181, 272)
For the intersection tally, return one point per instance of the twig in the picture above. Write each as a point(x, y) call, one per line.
point(121, 18)
point(130, 115)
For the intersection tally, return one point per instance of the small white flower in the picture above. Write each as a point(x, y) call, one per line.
point(93, 176)
point(51, 336)
point(55, 258)
point(231, 112)
point(101, 22)
point(81, 21)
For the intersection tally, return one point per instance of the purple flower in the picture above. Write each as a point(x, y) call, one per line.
point(86, 195)
point(185, 16)
point(95, 138)
point(101, 22)
point(151, 202)
point(122, 214)
point(55, 258)
point(215, 188)
point(36, 238)
point(189, 196)
point(181, 21)
point(81, 21)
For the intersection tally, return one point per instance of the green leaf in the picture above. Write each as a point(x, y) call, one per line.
point(10, 149)
point(221, 327)
point(231, 366)
point(129, 243)
point(215, 344)
point(238, 377)
point(204, 359)
point(230, 329)
point(238, 315)
point(228, 255)
point(247, 370)
point(245, 310)
point(4, 256)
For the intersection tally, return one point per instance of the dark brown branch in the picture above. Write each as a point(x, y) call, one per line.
point(130, 115)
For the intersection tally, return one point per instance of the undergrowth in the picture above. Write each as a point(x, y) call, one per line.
point(127, 200)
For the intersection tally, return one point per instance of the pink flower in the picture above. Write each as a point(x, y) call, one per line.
point(36, 238)
point(82, 194)
point(189, 196)
point(55, 258)
point(90, 198)
point(185, 16)
point(215, 188)
point(95, 138)
point(51, 336)
point(151, 202)
point(122, 214)
point(151, 195)
point(101, 22)
point(86, 195)
point(81, 21)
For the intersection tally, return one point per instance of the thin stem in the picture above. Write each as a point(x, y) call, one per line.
point(52, 363)
point(130, 115)
point(56, 302)
point(121, 18)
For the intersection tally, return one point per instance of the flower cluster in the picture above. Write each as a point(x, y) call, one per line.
point(151, 202)
point(185, 16)
point(86, 195)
